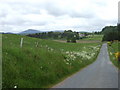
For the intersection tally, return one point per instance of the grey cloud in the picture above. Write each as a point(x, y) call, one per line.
point(40, 23)
point(119, 12)
point(82, 15)
point(95, 24)
point(56, 10)
point(26, 9)
point(100, 3)
point(3, 14)
point(12, 14)
point(22, 22)
point(21, 7)
point(14, 22)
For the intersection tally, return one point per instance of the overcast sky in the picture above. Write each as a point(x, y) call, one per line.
point(77, 15)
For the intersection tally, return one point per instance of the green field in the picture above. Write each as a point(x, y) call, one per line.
point(43, 65)
point(112, 50)
point(93, 37)
point(88, 39)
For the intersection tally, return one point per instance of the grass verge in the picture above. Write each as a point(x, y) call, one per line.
point(112, 50)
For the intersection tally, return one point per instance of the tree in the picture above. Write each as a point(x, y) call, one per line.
point(111, 33)
point(73, 40)
point(68, 40)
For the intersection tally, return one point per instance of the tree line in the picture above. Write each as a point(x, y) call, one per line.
point(69, 35)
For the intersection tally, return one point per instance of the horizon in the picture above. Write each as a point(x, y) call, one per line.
point(57, 30)
point(49, 31)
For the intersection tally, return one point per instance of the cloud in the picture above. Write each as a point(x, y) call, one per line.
point(85, 15)
point(73, 9)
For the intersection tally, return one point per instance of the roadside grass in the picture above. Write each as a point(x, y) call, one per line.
point(44, 64)
point(112, 50)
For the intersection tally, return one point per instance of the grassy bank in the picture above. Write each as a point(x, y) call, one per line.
point(112, 50)
point(41, 63)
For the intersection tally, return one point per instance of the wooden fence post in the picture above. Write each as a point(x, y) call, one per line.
point(21, 42)
point(36, 44)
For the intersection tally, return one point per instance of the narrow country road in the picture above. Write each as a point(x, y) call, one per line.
point(101, 74)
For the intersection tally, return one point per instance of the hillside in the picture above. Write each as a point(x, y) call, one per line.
point(42, 63)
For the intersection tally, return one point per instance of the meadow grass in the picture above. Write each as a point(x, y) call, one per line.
point(43, 64)
point(112, 50)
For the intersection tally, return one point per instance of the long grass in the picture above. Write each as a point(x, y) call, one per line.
point(112, 50)
point(41, 63)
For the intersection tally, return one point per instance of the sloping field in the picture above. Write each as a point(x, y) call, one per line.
point(42, 63)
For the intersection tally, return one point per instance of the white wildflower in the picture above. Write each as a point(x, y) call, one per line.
point(40, 45)
point(67, 63)
point(62, 49)
point(84, 55)
point(15, 86)
point(41, 67)
point(110, 53)
point(46, 45)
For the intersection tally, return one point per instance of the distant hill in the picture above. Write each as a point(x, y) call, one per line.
point(9, 33)
point(83, 32)
point(1, 32)
point(30, 31)
point(6, 33)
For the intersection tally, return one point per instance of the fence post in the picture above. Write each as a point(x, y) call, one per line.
point(36, 44)
point(21, 42)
